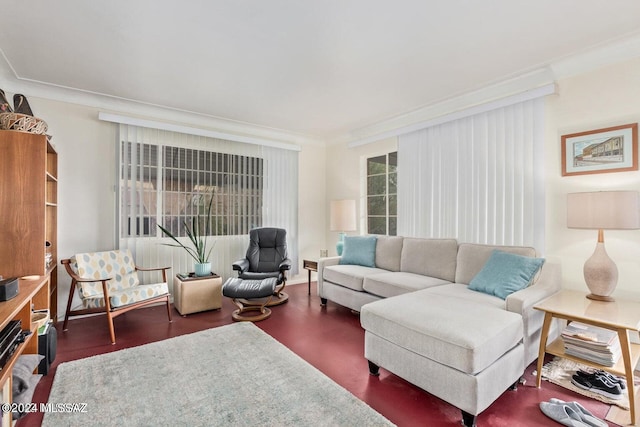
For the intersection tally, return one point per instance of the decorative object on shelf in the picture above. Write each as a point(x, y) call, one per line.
point(48, 256)
point(600, 210)
point(23, 123)
point(21, 105)
point(197, 232)
point(342, 219)
point(39, 318)
point(5, 107)
point(613, 149)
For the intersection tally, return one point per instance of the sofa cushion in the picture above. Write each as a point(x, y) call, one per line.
point(430, 257)
point(349, 276)
point(472, 257)
point(118, 265)
point(397, 283)
point(505, 273)
point(127, 296)
point(359, 250)
point(461, 334)
point(388, 251)
point(462, 291)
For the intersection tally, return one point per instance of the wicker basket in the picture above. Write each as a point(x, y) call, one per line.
point(22, 123)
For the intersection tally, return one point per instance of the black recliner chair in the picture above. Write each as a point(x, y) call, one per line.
point(266, 259)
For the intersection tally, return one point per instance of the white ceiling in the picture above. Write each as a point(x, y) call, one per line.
point(319, 68)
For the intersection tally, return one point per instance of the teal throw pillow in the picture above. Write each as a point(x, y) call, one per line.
point(359, 250)
point(505, 273)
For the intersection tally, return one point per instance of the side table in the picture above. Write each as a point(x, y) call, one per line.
point(311, 266)
point(619, 316)
point(194, 294)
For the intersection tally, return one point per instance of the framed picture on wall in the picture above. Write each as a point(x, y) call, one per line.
point(613, 149)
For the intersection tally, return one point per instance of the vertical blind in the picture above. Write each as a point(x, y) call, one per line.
point(167, 177)
point(478, 179)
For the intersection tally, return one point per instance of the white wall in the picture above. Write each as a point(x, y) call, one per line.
point(87, 180)
point(606, 97)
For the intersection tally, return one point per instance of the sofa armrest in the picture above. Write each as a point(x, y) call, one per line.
point(522, 302)
point(322, 263)
point(548, 283)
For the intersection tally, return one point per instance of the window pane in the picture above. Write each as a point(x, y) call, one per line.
point(376, 205)
point(393, 183)
point(393, 162)
point(377, 225)
point(393, 205)
point(377, 165)
point(382, 188)
point(393, 226)
point(377, 185)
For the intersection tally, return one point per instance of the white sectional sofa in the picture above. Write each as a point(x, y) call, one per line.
point(425, 323)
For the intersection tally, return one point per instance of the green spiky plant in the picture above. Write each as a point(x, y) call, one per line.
point(197, 236)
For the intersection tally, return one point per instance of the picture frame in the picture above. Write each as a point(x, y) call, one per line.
point(613, 149)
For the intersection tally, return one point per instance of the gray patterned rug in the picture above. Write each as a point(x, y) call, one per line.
point(234, 375)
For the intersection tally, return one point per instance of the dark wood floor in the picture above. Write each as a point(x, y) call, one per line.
point(331, 339)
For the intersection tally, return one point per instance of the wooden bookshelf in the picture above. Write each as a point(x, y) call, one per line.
point(32, 295)
point(29, 208)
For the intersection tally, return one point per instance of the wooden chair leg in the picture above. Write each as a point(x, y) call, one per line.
point(66, 314)
point(112, 332)
point(169, 309)
point(72, 289)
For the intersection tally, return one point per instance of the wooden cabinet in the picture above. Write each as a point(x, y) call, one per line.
point(29, 209)
point(33, 295)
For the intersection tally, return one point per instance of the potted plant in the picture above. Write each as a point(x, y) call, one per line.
point(197, 235)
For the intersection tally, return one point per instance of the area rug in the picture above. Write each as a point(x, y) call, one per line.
point(560, 370)
point(234, 375)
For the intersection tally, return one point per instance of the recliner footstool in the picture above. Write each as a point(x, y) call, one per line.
point(249, 296)
point(464, 353)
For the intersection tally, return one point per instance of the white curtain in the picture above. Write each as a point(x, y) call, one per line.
point(478, 179)
point(279, 200)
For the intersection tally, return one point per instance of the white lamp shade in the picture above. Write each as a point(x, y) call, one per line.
point(342, 215)
point(604, 210)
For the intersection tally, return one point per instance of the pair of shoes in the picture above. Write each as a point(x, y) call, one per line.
point(608, 376)
point(585, 416)
point(598, 384)
point(563, 413)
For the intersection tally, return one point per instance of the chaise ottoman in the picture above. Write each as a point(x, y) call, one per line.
point(464, 352)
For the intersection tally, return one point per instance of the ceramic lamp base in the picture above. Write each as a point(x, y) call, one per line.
point(340, 244)
point(600, 298)
point(600, 274)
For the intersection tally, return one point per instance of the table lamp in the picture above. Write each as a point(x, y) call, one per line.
point(342, 218)
point(602, 210)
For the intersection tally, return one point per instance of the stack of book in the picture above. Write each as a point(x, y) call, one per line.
point(592, 343)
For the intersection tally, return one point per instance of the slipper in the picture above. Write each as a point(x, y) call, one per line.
point(562, 414)
point(586, 416)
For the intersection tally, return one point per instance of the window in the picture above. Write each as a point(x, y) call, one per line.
point(167, 177)
point(173, 187)
point(382, 189)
